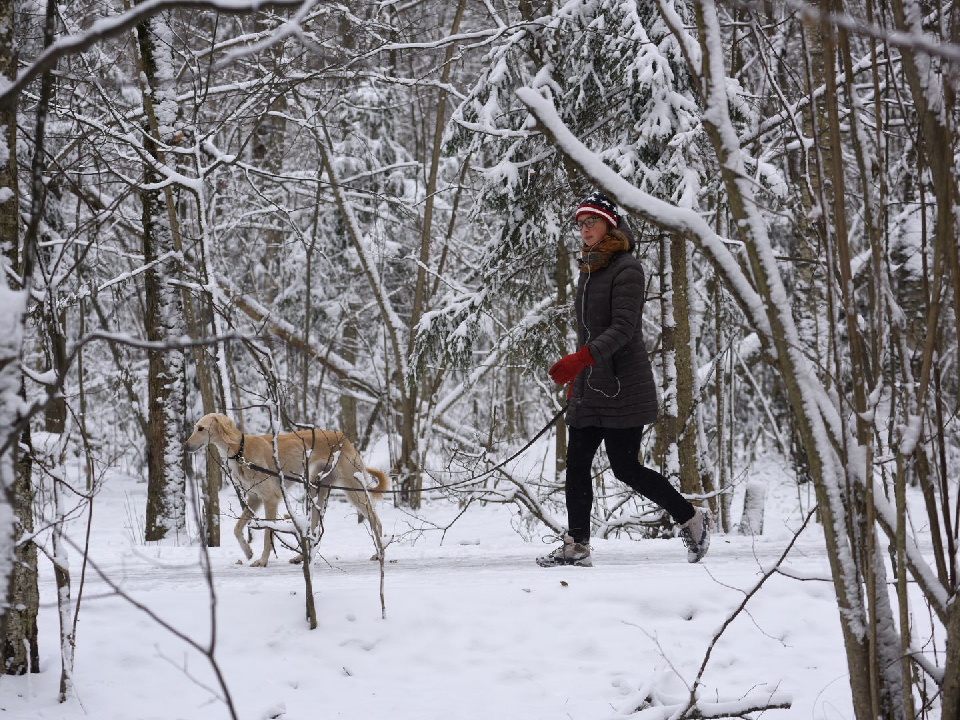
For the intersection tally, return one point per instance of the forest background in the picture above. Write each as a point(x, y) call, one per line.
point(357, 216)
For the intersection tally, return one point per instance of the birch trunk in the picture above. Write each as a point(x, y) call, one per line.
point(61, 571)
point(19, 650)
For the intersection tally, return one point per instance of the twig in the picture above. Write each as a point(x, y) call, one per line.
point(756, 588)
point(205, 651)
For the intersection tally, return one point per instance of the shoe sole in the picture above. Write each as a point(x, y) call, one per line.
point(708, 516)
point(701, 556)
point(586, 562)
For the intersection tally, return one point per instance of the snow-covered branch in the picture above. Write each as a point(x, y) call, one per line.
point(669, 217)
point(113, 26)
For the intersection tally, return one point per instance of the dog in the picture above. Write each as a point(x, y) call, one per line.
point(320, 457)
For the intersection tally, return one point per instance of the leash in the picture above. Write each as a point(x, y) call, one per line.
point(242, 461)
point(496, 467)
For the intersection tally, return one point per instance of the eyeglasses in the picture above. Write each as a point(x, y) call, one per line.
point(586, 222)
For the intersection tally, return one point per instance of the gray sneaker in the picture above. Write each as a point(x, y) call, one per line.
point(570, 553)
point(695, 534)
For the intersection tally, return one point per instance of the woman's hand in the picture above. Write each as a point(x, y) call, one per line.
point(569, 366)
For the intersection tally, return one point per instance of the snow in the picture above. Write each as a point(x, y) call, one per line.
point(474, 629)
point(12, 407)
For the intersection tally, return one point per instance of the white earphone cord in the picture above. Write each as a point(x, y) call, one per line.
point(583, 314)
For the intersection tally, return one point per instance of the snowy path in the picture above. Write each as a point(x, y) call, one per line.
point(474, 629)
point(402, 562)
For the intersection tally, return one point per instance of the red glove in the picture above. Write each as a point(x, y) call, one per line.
point(569, 366)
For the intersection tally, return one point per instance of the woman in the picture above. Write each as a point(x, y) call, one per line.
point(612, 394)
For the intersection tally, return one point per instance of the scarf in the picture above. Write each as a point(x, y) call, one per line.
point(598, 256)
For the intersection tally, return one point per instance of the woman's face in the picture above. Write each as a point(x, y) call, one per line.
point(593, 229)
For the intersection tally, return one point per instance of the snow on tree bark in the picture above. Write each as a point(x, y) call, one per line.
point(751, 522)
point(19, 652)
point(887, 639)
point(11, 303)
point(166, 479)
point(686, 372)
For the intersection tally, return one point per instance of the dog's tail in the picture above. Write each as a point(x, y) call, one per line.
point(383, 482)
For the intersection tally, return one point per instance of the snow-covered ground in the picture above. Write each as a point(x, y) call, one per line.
point(474, 628)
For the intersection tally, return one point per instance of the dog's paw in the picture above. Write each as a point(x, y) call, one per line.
point(296, 559)
point(258, 563)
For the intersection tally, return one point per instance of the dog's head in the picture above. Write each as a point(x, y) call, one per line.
point(212, 428)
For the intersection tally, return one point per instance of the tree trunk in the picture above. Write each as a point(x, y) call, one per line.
point(686, 377)
point(9, 187)
point(212, 367)
point(18, 627)
point(19, 651)
point(348, 351)
point(267, 153)
point(561, 276)
point(61, 571)
point(951, 676)
point(933, 100)
point(166, 479)
point(720, 373)
point(54, 317)
point(751, 522)
point(11, 338)
point(667, 425)
point(806, 171)
point(409, 455)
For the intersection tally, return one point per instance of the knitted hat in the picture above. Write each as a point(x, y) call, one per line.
point(599, 204)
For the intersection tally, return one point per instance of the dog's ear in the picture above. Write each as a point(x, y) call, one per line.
point(224, 425)
point(217, 420)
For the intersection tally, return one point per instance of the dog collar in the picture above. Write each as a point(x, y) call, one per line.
point(239, 453)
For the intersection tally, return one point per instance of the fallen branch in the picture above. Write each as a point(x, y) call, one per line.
point(770, 572)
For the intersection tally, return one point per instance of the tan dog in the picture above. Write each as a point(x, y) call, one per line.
point(329, 457)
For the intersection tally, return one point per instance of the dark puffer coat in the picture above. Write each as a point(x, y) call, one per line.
point(619, 390)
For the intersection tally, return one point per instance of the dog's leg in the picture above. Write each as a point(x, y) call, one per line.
point(362, 500)
point(253, 503)
point(269, 513)
point(318, 505)
point(376, 529)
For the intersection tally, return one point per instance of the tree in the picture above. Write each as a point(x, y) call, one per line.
point(19, 650)
point(164, 317)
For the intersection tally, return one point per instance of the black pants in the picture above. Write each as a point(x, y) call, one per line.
point(623, 449)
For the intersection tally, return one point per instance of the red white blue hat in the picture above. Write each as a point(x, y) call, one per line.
point(599, 204)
